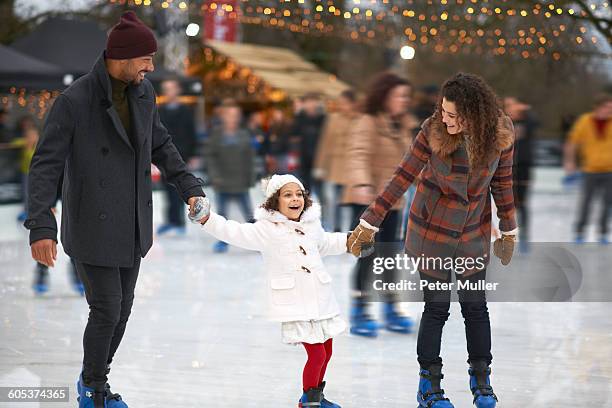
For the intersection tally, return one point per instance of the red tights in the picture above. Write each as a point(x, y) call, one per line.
point(318, 357)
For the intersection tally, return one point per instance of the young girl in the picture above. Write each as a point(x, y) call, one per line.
point(289, 235)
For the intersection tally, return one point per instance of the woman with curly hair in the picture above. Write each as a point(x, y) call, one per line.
point(461, 156)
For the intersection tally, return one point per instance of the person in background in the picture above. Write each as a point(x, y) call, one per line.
point(27, 140)
point(330, 160)
point(5, 133)
point(591, 136)
point(298, 105)
point(178, 118)
point(378, 142)
point(307, 127)
point(426, 105)
point(276, 143)
point(525, 126)
point(41, 272)
point(230, 157)
point(27, 143)
point(255, 126)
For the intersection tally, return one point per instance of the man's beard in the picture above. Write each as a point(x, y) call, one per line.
point(138, 78)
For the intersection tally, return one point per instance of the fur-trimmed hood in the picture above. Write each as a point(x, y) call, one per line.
point(444, 144)
point(312, 214)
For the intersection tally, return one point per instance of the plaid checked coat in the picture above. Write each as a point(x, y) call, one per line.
point(450, 215)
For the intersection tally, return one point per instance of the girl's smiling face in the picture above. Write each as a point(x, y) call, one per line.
point(291, 201)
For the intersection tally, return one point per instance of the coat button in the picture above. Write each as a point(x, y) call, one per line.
point(302, 250)
point(31, 223)
point(104, 183)
point(150, 203)
point(105, 151)
point(455, 234)
point(299, 231)
point(102, 216)
point(305, 269)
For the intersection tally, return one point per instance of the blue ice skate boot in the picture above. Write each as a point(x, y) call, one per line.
point(311, 399)
point(41, 279)
point(480, 385)
point(362, 324)
point(430, 395)
point(113, 400)
point(220, 247)
point(79, 288)
point(164, 229)
point(396, 322)
point(89, 397)
point(324, 402)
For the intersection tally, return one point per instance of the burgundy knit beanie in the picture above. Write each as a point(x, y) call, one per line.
point(130, 38)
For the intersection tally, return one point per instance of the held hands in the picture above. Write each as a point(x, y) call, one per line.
point(360, 238)
point(503, 248)
point(199, 209)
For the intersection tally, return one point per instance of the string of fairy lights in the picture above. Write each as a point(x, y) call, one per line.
point(34, 103)
point(528, 29)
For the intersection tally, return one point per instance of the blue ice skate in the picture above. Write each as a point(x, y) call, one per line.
point(430, 395)
point(480, 385)
point(324, 402)
point(41, 280)
point(112, 400)
point(311, 399)
point(89, 397)
point(220, 247)
point(396, 322)
point(362, 324)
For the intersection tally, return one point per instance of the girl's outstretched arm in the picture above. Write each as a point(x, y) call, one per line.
point(247, 236)
point(332, 243)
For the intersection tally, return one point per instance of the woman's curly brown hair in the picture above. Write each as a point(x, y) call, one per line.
point(480, 109)
point(271, 204)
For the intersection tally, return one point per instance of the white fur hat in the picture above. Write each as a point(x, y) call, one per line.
point(271, 185)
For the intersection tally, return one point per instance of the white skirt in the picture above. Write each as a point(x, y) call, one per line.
point(312, 331)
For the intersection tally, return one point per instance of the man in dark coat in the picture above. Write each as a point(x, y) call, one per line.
point(178, 119)
point(103, 133)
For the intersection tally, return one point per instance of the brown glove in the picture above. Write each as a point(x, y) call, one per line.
point(360, 236)
point(503, 248)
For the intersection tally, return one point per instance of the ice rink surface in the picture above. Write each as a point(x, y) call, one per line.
point(197, 336)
